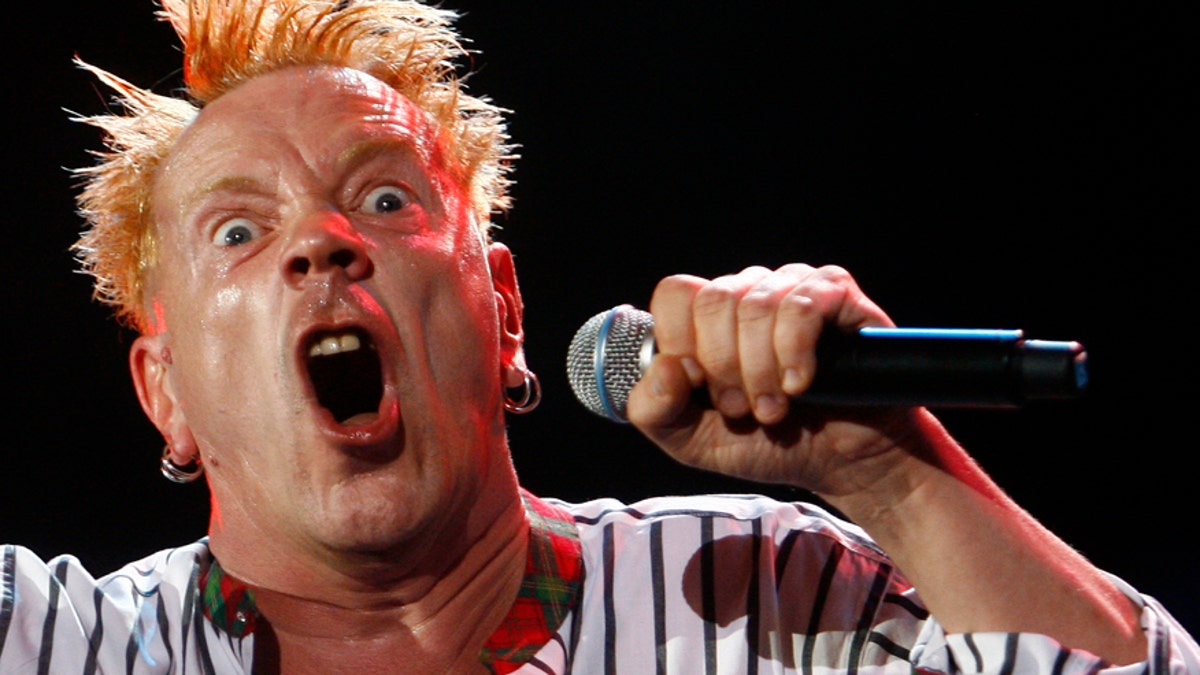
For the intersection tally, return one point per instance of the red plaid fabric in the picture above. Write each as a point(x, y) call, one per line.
point(228, 603)
point(548, 593)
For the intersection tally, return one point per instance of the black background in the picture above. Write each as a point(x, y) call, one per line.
point(995, 167)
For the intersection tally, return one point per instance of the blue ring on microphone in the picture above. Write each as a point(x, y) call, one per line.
point(599, 360)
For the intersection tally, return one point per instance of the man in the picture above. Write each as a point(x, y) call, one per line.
point(329, 334)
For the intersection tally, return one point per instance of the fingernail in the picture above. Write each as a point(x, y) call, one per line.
point(733, 402)
point(768, 407)
point(792, 380)
point(694, 372)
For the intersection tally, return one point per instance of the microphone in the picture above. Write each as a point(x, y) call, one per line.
point(935, 367)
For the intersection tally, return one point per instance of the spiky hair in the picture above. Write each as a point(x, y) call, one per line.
point(404, 43)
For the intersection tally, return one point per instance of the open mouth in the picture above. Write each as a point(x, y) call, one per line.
point(346, 374)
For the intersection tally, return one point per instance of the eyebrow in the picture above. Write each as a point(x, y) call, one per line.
point(364, 151)
point(242, 184)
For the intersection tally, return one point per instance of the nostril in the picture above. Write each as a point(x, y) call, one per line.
point(299, 266)
point(322, 258)
point(342, 258)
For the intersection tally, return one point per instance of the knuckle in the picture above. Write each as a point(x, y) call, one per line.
point(797, 270)
point(757, 304)
point(716, 296)
point(677, 284)
point(754, 272)
point(798, 305)
point(835, 274)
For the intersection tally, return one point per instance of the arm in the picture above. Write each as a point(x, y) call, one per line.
point(979, 561)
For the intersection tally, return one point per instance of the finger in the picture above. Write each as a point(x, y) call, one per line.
point(760, 369)
point(826, 298)
point(856, 310)
point(671, 306)
point(715, 322)
point(661, 405)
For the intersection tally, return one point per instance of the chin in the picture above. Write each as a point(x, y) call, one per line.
point(377, 517)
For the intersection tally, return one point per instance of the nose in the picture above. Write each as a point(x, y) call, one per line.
point(323, 244)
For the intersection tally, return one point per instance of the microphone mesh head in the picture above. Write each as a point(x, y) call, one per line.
point(606, 357)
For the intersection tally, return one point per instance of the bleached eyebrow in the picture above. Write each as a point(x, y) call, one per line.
point(365, 151)
point(239, 184)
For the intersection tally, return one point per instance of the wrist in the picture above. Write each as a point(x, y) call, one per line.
point(891, 488)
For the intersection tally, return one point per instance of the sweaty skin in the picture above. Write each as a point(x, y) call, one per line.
point(313, 203)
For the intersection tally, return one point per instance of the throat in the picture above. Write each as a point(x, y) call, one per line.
point(275, 654)
point(446, 628)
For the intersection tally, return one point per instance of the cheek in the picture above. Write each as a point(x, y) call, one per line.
point(217, 341)
point(463, 321)
point(469, 328)
point(215, 323)
point(228, 299)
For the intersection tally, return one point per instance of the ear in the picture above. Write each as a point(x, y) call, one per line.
point(150, 365)
point(510, 312)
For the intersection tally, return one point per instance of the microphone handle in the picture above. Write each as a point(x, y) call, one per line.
point(941, 367)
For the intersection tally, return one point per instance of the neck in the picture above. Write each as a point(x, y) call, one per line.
point(377, 596)
point(431, 601)
point(440, 625)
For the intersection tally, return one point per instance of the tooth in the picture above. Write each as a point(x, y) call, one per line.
point(329, 346)
point(333, 344)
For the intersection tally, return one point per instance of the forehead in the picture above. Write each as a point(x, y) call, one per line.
point(317, 116)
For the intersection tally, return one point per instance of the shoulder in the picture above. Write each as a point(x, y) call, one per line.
point(58, 601)
point(719, 515)
point(693, 572)
point(174, 568)
point(169, 560)
point(64, 578)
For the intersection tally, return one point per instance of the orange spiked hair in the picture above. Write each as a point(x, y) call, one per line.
point(404, 43)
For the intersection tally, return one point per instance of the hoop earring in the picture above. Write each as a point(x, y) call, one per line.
point(531, 396)
point(175, 473)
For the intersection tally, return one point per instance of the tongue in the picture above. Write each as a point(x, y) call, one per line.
point(361, 419)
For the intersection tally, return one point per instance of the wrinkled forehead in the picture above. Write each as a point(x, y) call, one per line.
point(318, 113)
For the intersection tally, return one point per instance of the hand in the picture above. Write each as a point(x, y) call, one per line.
point(750, 339)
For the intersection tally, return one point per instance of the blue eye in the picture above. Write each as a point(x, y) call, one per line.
point(236, 232)
point(386, 199)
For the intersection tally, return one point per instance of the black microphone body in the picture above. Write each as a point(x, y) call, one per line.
point(936, 367)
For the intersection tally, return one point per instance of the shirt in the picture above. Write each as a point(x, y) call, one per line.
point(745, 584)
point(708, 584)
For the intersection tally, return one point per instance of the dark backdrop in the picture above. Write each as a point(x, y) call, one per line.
point(1000, 167)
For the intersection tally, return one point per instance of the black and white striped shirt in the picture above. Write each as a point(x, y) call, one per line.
point(144, 618)
point(686, 585)
point(745, 584)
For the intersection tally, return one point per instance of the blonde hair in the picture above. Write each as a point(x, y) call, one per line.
point(406, 44)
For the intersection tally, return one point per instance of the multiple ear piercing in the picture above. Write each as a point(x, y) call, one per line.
point(179, 474)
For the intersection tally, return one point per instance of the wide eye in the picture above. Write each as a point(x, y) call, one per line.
point(236, 232)
point(386, 199)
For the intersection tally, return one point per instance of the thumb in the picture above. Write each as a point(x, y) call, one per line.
point(662, 404)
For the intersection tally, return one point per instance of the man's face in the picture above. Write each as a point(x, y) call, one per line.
point(326, 315)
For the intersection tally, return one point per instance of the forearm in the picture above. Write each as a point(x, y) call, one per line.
point(983, 564)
